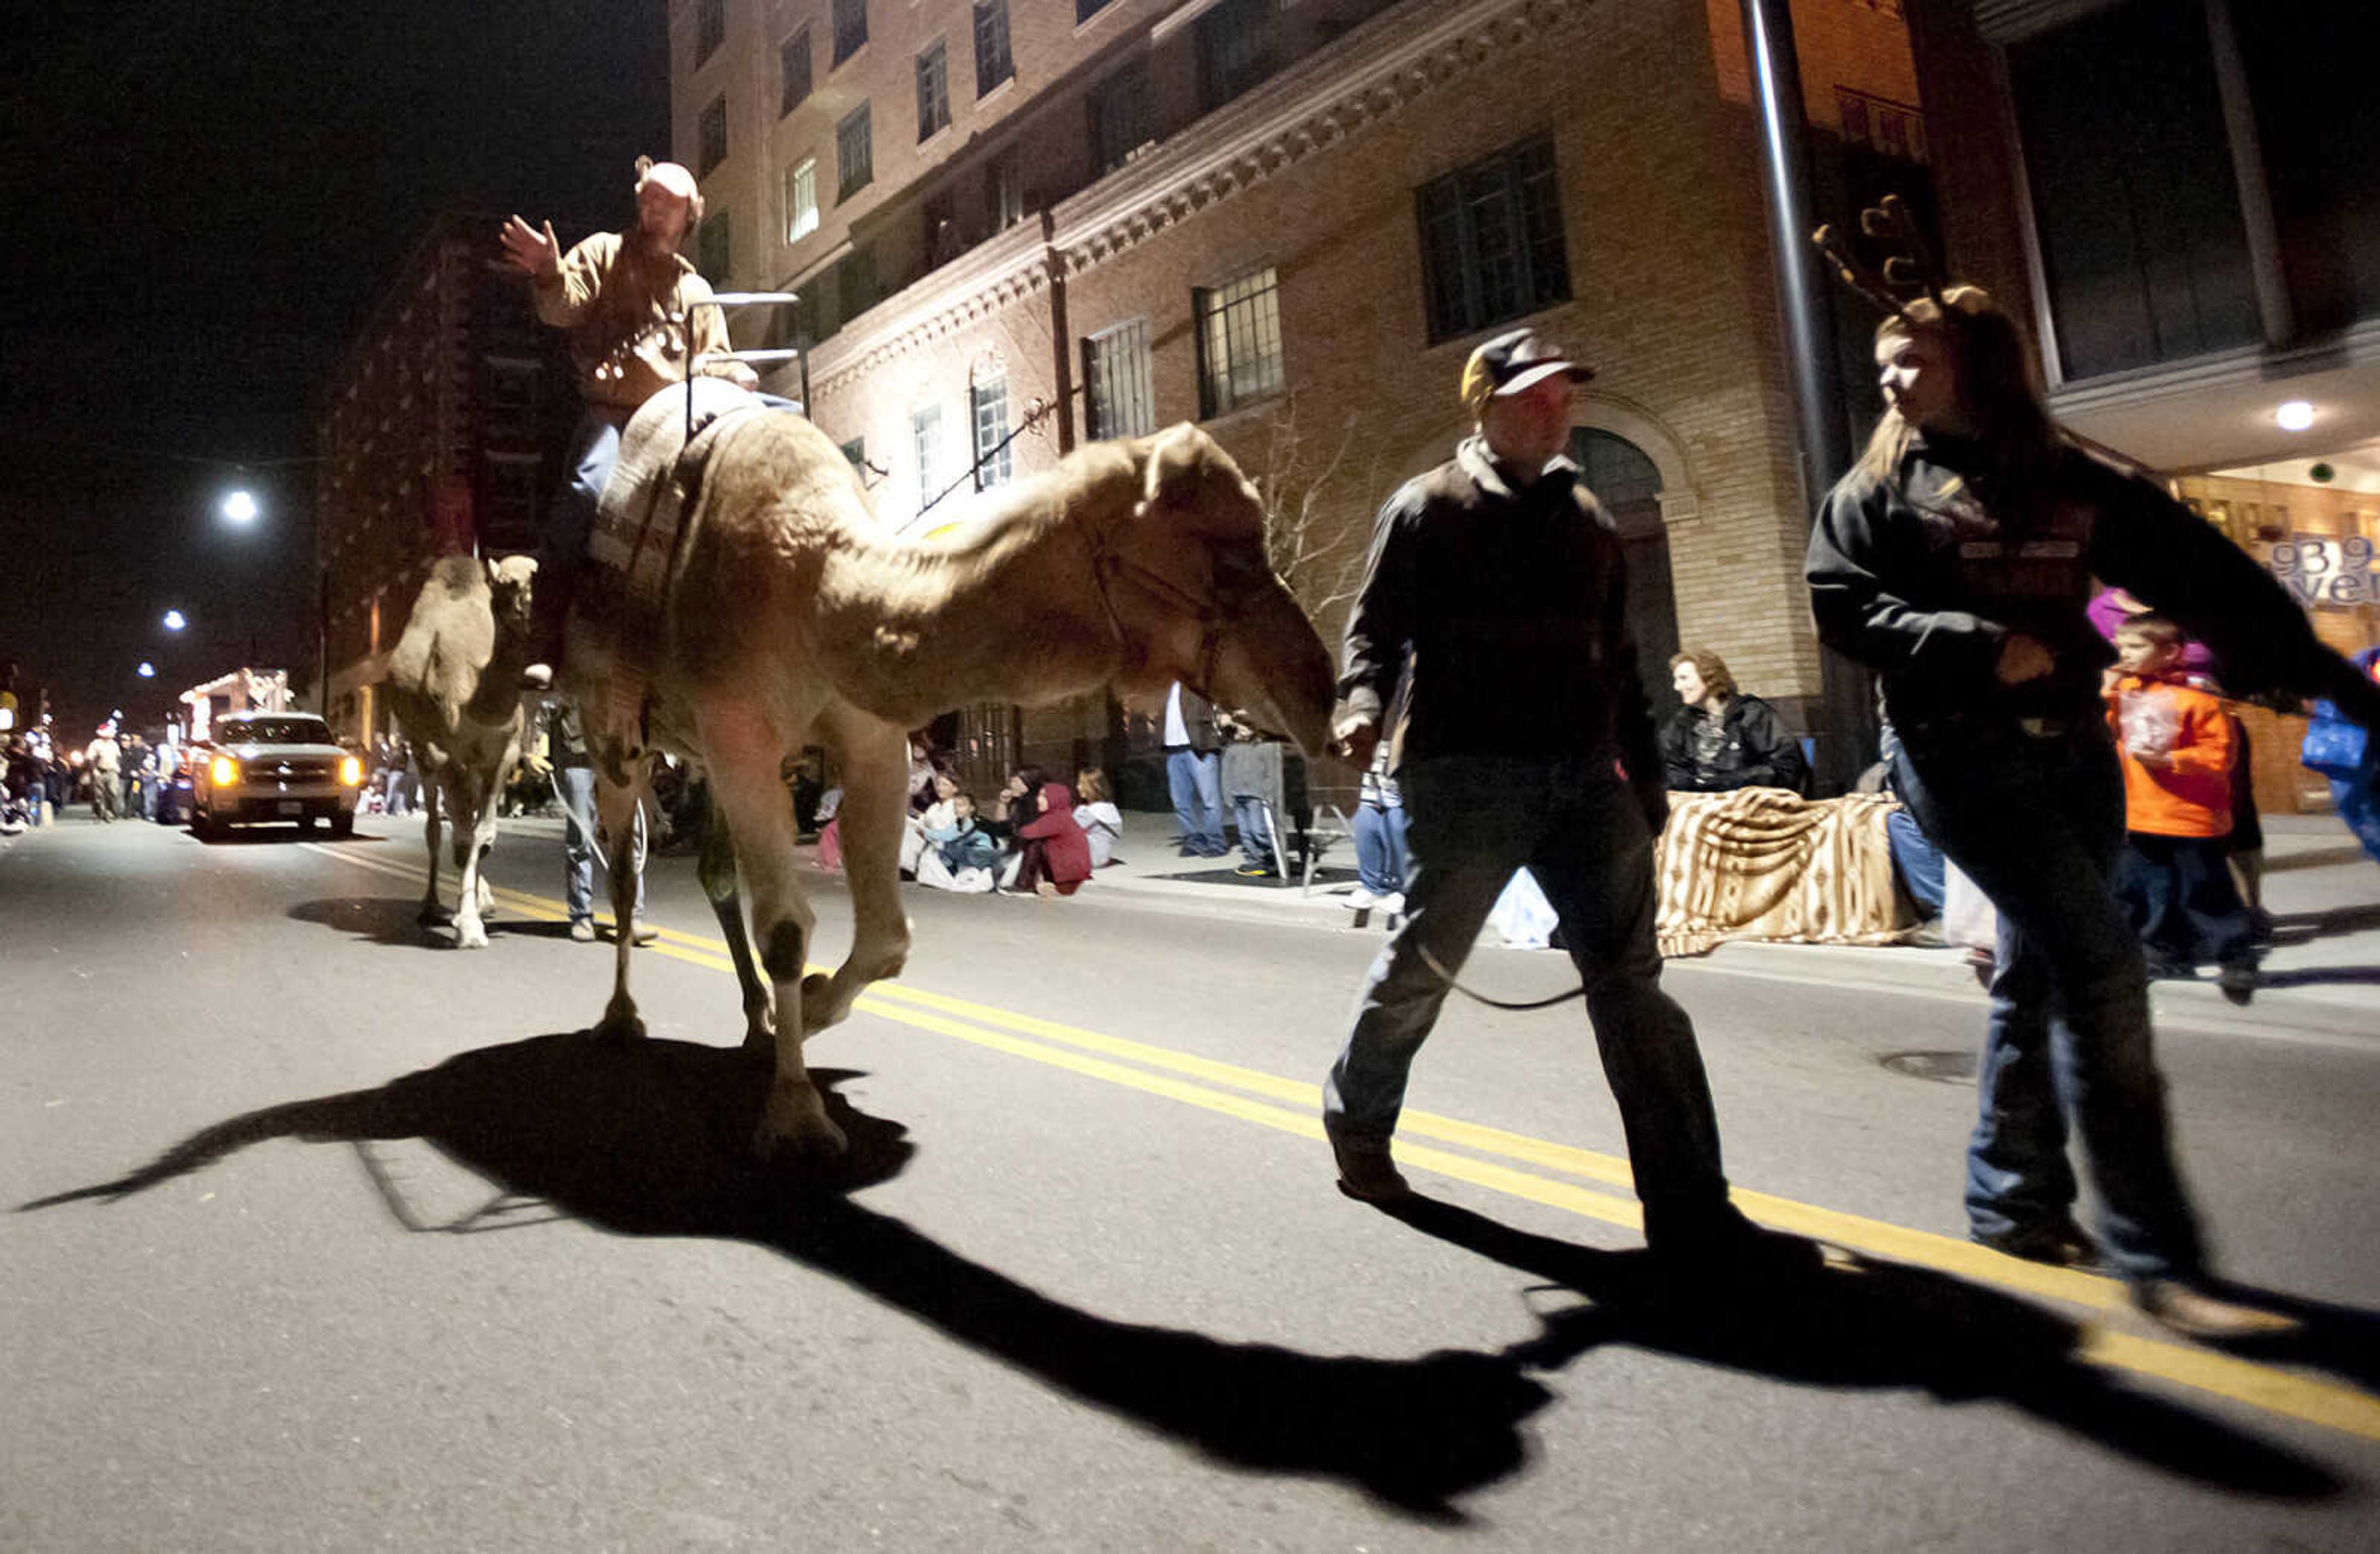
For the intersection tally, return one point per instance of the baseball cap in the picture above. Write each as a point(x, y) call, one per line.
point(1512, 362)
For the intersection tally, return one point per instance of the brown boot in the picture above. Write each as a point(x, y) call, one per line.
point(2195, 1314)
point(1366, 1172)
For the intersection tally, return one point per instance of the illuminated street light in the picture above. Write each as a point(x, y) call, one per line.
point(175, 621)
point(240, 508)
point(2295, 416)
point(147, 670)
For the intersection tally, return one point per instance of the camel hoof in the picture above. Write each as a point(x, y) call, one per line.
point(818, 1008)
point(796, 1127)
point(471, 938)
point(620, 1024)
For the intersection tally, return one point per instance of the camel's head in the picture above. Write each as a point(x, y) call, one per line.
point(1213, 612)
point(509, 590)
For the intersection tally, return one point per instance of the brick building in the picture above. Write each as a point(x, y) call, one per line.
point(1290, 220)
point(443, 432)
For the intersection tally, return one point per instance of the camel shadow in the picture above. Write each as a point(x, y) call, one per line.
point(654, 1138)
point(1875, 1324)
point(397, 924)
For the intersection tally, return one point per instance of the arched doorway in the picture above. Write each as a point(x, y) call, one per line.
point(1629, 483)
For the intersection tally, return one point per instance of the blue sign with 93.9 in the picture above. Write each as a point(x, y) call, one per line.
point(2323, 569)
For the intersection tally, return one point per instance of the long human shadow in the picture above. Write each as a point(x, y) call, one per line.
point(654, 1138)
point(1875, 1324)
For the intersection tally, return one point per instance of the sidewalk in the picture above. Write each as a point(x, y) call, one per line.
point(2322, 976)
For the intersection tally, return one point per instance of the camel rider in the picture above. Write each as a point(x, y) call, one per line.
point(630, 301)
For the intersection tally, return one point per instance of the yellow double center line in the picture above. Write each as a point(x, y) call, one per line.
point(1494, 1158)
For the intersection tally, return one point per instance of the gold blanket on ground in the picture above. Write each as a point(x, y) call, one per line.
point(1763, 863)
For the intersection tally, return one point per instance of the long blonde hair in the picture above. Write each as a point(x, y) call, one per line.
point(1996, 391)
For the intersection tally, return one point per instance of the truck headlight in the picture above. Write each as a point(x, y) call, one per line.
point(223, 771)
point(351, 772)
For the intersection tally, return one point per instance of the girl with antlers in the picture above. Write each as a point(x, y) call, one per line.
point(1956, 560)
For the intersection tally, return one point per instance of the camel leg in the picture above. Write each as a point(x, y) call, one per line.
point(875, 801)
point(615, 806)
point(431, 911)
point(741, 751)
point(717, 871)
point(475, 834)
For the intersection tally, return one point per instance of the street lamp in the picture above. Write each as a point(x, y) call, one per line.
point(240, 508)
point(175, 620)
point(147, 670)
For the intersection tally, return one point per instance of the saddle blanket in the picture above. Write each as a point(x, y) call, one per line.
point(617, 612)
point(1764, 863)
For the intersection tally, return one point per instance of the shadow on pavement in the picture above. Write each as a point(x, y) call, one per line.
point(397, 924)
point(2302, 928)
point(1875, 1324)
point(654, 1138)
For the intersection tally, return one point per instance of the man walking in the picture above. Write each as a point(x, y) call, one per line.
point(1496, 582)
point(1194, 772)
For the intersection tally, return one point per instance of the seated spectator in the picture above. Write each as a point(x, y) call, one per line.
point(830, 841)
point(1053, 856)
point(1722, 739)
point(1379, 840)
point(922, 770)
point(959, 856)
point(1095, 812)
point(1017, 802)
point(919, 832)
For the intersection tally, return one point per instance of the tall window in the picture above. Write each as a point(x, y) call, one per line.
point(713, 253)
point(988, 399)
point(933, 89)
point(926, 433)
point(1239, 46)
point(1085, 9)
point(712, 137)
point(794, 64)
point(942, 242)
point(709, 27)
point(1116, 393)
point(1491, 240)
point(1123, 116)
point(1239, 342)
point(1003, 193)
point(992, 64)
point(801, 200)
point(850, 27)
point(855, 154)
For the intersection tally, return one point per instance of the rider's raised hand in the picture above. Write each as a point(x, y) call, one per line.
point(530, 252)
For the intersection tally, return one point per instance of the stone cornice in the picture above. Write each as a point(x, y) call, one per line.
point(1393, 60)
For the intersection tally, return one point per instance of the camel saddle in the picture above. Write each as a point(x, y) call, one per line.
point(618, 609)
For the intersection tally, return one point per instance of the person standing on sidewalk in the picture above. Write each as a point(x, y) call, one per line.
point(575, 776)
point(1193, 771)
point(1956, 560)
point(1527, 740)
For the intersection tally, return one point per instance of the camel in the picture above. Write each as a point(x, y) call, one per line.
point(781, 613)
point(454, 684)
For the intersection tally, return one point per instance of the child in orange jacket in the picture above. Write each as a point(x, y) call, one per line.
point(2178, 750)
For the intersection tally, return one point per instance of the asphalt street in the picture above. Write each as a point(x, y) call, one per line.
point(328, 1236)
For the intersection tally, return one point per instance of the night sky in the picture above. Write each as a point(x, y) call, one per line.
point(205, 199)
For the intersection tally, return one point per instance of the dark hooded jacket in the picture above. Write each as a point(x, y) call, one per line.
point(1068, 851)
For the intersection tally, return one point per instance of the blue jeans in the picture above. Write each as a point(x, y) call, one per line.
point(1256, 837)
point(1196, 782)
point(2038, 823)
point(1918, 859)
point(2355, 801)
point(577, 785)
point(1573, 824)
point(594, 449)
point(2179, 892)
point(1380, 848)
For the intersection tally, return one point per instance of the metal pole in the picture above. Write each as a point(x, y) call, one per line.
point(1845, 724)
point(1062, 343)
point(323, 641)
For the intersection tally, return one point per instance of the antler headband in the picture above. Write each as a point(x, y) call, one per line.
point(1906, 275)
